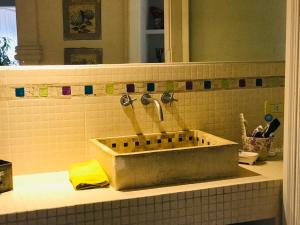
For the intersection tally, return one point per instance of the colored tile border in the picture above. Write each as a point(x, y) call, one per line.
point(118, 88)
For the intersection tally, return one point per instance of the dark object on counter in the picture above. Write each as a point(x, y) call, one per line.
point(6, 182)
point(258, 134)
point(272, 128)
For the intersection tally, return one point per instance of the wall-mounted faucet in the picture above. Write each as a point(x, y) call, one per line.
point(168, 98)
point(126, 100)
point(147, 99)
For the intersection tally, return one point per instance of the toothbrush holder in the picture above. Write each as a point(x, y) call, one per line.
point(262, 146)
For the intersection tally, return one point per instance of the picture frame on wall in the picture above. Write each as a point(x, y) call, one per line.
point(83, 56)
point(82, 19)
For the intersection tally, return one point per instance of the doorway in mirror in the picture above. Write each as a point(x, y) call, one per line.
point(146, 31)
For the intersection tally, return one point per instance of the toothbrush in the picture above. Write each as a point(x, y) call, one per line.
point(243, 125)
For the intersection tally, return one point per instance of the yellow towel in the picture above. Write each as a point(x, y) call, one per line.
point(87, 175)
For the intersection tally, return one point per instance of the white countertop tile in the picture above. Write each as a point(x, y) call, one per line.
point(53, 190)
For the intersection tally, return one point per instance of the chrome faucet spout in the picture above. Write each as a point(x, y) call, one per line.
point(147, 99)
point(159, 110)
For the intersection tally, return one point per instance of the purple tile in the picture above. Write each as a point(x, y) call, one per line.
point(242, 83)
point(66, 90)
point(189, 85)
point(130, 88)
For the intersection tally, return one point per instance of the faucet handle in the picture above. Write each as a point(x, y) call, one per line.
point(126, 100)
point(168, 98)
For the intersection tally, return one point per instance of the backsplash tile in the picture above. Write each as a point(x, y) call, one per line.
point(97, 89)
point(43, 91)
point(242, 83)
point(88, 90)
point(109, 89)
point(66, 90)
point(42, 124)
point(259, 82)
point(150, 87)
point(207, 84)
point(130, 88)
point(189, 85)
point(20, 92)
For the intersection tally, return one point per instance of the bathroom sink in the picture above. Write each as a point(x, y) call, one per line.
point(165, 158)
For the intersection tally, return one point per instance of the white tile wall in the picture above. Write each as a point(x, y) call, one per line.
point(49, 134)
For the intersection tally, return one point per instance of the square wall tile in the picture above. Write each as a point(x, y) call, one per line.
point(20, 92)
point(189, 85)
point(88, 90)
point(109, 89)
point(242, 83)
point(259, 82)
point(225, 84)
point(207, 84)
point(150, 87)
point(130, 88)
point(66, 90)
point(43, 91)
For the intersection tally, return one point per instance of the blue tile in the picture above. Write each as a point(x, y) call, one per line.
point(150, 87)
point(20, 92)
point(130, 88)
point(242, 83)
point(207, 84)
point(189, 85)
point(259, 82)
point(88, 90)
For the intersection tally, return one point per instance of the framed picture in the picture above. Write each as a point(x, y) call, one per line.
point(82, 19)
point(82, 56)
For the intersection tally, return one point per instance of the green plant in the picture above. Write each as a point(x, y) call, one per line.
point(4, 47)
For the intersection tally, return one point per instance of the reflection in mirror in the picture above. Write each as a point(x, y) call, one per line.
point(8, 33)
point(102, 31)
point(234, 30)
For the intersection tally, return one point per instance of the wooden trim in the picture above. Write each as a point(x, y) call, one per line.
point(185, 31)
point(291, 186)
point(126, 31)
point(168, 30)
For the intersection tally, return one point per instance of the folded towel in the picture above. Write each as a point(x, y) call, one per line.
point(87, 175)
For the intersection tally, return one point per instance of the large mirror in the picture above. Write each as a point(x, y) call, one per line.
point(53, 32)
point(235, 30)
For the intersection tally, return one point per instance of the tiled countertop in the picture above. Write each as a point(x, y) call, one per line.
point(53, 190)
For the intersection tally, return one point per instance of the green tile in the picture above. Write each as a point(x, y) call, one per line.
point(170, 86)
point(43, 92)
point(109, 89)
point(225, 84)
point(275, 82)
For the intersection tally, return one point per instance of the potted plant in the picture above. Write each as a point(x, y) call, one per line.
point(4, 47)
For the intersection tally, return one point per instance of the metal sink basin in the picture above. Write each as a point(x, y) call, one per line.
point(165, 158)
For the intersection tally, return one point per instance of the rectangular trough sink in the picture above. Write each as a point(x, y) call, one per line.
point(165, 158)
